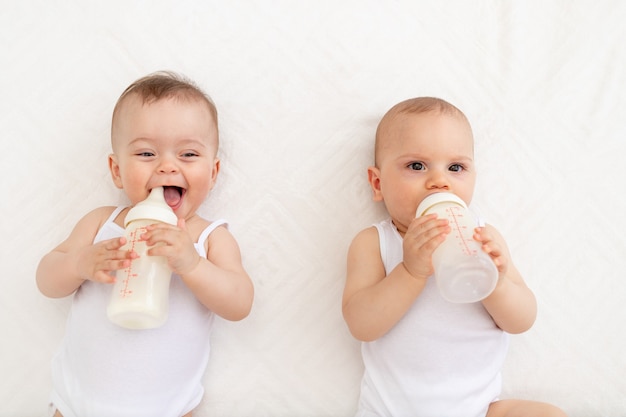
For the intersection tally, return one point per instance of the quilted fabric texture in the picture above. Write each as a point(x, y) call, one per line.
point(300, 87)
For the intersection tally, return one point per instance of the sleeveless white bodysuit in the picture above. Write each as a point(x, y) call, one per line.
point(440, 360)
point(103, 370)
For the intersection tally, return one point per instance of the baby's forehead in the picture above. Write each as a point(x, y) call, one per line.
point(407, 120)
point(390, 130)
point(134, 105)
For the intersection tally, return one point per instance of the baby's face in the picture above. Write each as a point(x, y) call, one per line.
point(421, 154)
point(172, 143)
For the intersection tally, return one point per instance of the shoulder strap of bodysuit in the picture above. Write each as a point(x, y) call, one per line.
point(115, 213)
point(206, 232)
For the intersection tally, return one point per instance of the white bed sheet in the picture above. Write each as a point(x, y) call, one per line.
point(300, 87)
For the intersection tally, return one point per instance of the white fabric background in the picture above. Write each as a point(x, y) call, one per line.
point(300, 87)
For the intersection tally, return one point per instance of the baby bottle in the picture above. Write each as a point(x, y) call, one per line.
point(463, 271)
point(140, 297)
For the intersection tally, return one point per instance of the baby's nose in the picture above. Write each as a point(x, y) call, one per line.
point(438, 180)
point(167, 165)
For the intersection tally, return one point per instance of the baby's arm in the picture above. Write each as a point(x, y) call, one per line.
point(512, 304)
point(219, 282)
point(77, 259)
point(372, 302)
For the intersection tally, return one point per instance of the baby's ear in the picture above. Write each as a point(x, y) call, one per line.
point(114, 167)
point(373, 176)
point(215, 169)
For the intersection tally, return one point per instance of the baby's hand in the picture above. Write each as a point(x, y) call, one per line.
point(423, 236)
point(97, 261)
point(492, 245)
point(176, 245)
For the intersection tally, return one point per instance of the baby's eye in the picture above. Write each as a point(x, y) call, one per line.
point(145, 154)
point(416, 166)
point(189, 154)
point(456, 168)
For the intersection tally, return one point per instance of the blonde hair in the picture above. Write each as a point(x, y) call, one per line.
point(415, 105)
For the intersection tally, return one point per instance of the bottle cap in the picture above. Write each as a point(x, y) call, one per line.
point(152, 208)
point(437, 198)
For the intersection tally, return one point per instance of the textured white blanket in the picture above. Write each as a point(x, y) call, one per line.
point(300, 87)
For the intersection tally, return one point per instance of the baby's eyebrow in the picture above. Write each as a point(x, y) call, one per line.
point(412, 156)
point(190, 142)
point(140, 139)
point(461, 157)
point(193, 141)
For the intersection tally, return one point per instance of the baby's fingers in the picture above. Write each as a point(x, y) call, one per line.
point(481, 234)
point(97, 262)
point(104, 277)
point(114, 244)
point(489, 245)
point(496, 254)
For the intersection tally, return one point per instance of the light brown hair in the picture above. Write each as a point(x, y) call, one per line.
point(160, 85)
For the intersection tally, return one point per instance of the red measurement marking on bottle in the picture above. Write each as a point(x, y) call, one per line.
point(454, 214)
point(134, 238)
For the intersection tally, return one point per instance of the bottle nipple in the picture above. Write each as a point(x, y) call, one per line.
point(152, 208)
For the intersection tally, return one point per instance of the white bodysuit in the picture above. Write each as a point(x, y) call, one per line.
point(103, 370)
point(440, 360)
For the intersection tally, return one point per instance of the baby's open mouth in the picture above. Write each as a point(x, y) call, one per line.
point(173, 195)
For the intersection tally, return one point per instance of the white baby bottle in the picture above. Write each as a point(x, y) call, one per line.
point(140, 297)
point(463, 271)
